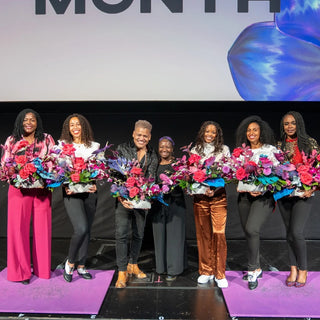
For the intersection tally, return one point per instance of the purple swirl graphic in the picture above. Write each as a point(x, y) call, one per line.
point(280, 60)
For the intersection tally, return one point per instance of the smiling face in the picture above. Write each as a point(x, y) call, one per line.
point(210, 133)
point(75, 129)
point(290, 126)
point(165, 149)
point(29, 124)
point(141, 137)
point(253, 134)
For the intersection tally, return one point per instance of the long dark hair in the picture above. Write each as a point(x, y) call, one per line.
point(218, 141)
point(18, 130)
point(303, 138)
point(266, 133)
point(86, 130)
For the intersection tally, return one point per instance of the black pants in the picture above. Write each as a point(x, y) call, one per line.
point(129, 225)
point(254, 211)
point(81, 209)
point(295, 212)
point(168, 223)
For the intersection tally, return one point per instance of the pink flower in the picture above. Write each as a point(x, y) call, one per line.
point(30, 167)
point(155, 189)
point(75, 177)
point(226, 169)
point(166, 179)
point(165, 189)
point(24, 174)
point(136, 170)
point(21, 160)
point(267, 171)
point(199, 176)
point(303, 168)
point(194, 158)
point(133, 192)
point(79, 164)
point(241, 174)
point(131, 181)
point(305, 178)
point(237, 152)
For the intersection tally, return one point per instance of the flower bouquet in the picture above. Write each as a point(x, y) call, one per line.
point(128, 182)
point(255, 177)
point(61, 166)
point(20, 170)
point(196, 175)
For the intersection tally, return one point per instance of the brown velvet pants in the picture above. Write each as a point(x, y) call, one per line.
point(210, 219)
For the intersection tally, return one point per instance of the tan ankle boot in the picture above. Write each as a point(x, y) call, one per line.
point(133, 269)
point(122, 279)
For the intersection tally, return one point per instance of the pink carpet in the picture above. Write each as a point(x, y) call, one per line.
point(55, 295)
point(272, 298)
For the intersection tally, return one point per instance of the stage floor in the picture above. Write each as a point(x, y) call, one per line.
point(157, 299)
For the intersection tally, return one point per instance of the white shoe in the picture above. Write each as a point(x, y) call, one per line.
point(204, 279)
point(221, 283)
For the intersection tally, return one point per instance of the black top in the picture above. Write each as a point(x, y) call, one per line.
point(148, 163)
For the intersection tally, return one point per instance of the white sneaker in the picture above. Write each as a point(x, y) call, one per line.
point(221, 283)
point(204, 279)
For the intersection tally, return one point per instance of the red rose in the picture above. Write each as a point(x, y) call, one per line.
point(23, 173)
point(133, 192)
point(136, 170)
point(131, 181)
point(241, 174)
point(303, 168)
point(79, 164)
point(30, 168)
point(75, 177)
point(199, 176)
point(22, 160)
point(194, 158)
point(306, 178)
point(68, 149)
point(318, 157)
point(237, 152)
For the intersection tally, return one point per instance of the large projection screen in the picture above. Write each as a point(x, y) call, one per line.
point(129, 55)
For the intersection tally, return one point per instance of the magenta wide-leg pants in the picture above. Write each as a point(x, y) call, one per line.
point(22, 205)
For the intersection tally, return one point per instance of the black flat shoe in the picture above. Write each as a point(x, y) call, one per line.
point(252, 284)
point(84, 274)
point(66, 276)
point(25, 281)
point(171, 278)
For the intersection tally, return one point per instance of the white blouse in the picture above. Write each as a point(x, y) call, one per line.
point(82, 150)
point(208, 151)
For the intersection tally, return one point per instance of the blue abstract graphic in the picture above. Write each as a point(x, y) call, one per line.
point(280, 60)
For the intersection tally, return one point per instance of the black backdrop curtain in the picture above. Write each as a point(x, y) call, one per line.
point(113, 121)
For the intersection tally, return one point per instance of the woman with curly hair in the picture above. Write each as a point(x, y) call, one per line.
point(80, 207)
point(210, 210)
point(29, 202)
point(295, 209)
point(255, 205)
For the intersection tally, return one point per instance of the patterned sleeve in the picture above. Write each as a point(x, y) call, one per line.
point(7, 149)
point(50, 140)
point(314, 144)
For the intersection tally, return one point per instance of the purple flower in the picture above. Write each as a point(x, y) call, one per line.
point(267, 171)
point(226, 169)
